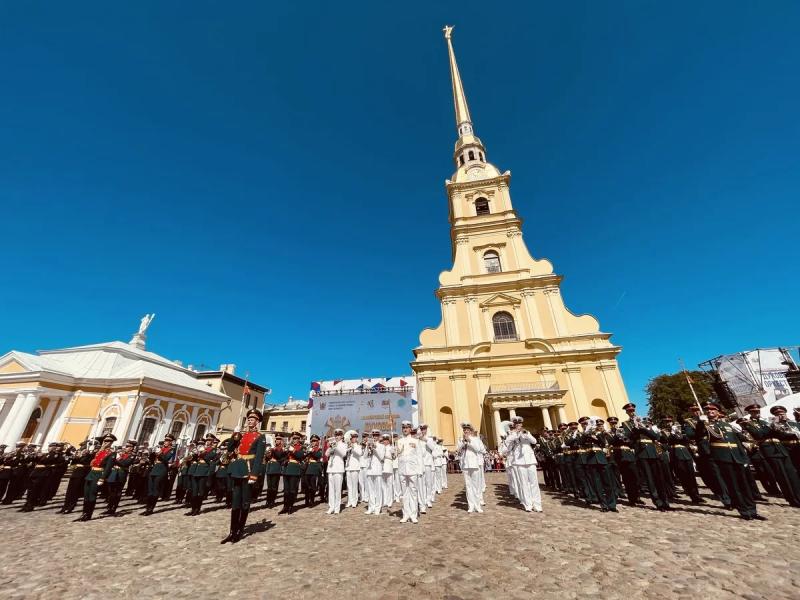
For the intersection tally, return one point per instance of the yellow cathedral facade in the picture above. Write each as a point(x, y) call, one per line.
point(507, 345)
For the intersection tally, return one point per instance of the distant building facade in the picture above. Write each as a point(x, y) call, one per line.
point(72, 394)
point(225, 381)
point(286, 418)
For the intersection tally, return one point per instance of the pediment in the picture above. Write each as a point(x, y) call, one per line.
point(500, 300)
point(12, 364)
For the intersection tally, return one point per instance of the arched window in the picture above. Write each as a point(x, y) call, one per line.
point(108, 425)
point(481, 206)
point(447, 425)
point(148, 427)
point(599, 408)
point(504, 329)
point(492, 261)
point(471, 155)
point(200, 432)
point(461, 161)
point(177, 428)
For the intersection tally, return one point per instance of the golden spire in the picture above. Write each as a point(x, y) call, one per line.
point(469, 149)
point(459, 98)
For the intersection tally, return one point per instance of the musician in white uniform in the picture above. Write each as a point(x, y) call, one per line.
point(471, 449)
point(364, 463)
point(409, 463)
point(336, 452)
point(427, 461)
point(443, 465)
point(374, 473)
point(387, 477)
point(521, 444)
point(437, 465)
point(508, 460)
point(420, 449)
point(352, 468)
point(396, 471)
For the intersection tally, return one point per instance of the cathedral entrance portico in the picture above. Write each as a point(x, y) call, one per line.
point(540, 404)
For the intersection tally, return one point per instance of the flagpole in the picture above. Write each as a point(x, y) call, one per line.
point(691, 387)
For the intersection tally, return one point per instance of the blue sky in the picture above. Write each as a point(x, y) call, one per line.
point(269, 177)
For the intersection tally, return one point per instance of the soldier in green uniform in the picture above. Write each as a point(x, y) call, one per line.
point(37, 480)
point(5, 470)
point(705, 466)
point(244, 471)
point(593, 443)
point(275, 457)
point(57, 469)
point(79, 462)
point(183, 489)
point(116, 478)
point(292, 472)
point(625, 458)
point(681, 459)
point(313, 471)
point(158, 474)
point(730, 458)
point(643, 437)
point(771, 438)
point(99, 470)
point(203, 468)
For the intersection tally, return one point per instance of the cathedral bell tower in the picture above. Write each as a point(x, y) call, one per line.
point(507, 346)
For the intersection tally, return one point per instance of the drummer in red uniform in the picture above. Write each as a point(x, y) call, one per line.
point(244, 471)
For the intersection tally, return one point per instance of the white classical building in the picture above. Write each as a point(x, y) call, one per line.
point(76, 393)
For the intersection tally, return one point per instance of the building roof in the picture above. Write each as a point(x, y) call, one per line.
point(111, 361)
point(231, 377)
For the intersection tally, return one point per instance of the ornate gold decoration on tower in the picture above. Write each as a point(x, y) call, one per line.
point(506, 345)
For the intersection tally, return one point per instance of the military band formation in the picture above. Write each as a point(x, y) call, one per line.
point(582, 461)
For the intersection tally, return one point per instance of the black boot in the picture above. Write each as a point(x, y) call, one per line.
point(287, 503)
point(151, 504)
point(234, 527)
point(228, 500)
point(88, 509)
point(242, 520)
point(292, 500)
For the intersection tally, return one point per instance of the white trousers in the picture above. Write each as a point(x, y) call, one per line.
point(528, 487)
point(335, 491)
point(429, 489)
point(408, 483)
point(398, 493)
point(352, 487)
point(374, 493)
point(482, 473)
point(387, 488)
point(444, 476)
point(512, 480)
point(421, 495)
point(437, 479)
point(362, 484)
point(472, 483)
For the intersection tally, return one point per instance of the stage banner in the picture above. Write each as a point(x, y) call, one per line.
point(360, 411)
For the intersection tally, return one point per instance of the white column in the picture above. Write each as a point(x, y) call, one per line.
point(498, 425)
point(546, 417)
point(7, 414)
point(20, 417)
point(54, 432)
point(47, 416)
point(512, 413)
point(214, 421)
point(124, 421)
point(191, 426)
point(562, 415)
point(164, 427)
point(133, 426)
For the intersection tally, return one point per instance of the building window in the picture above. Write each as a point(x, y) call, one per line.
point(461, 161)
point(504, 329)
point(471, 155)
point(285, 426)
point(481, 206)
point(492, 261)
point(108, 425)
point(482, 159)
point(272, 425)
point(201, 431)
point(148, 427)
point(302, 425)
point(177, 428)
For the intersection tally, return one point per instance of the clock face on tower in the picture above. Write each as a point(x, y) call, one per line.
point(475, 173)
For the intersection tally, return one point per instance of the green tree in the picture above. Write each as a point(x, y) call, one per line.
point(669, 394)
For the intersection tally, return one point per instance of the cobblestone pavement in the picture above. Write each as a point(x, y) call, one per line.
point(568, 551)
